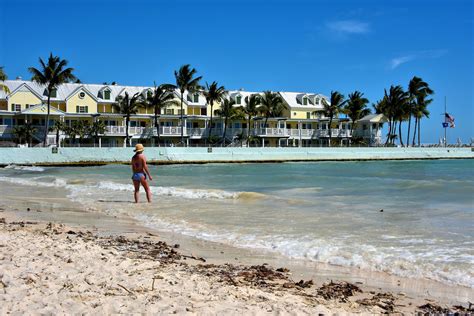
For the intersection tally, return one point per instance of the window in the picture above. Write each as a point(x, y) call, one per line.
point(308, 115)
point(106, 94)
point(82, 95)
point(305, 101)
point(204, 111)
point(195, 125)
point(244, 125)
point(82, 109)
point(27, 106)
point(316, 100)
point(364, 127)
point(183, 111)
point(196, 97)
point(16, 107)
point(189, 98)
point(54, 93)
point(374, 126)
point(169, 111)
point(237, 125)
point(238, 99)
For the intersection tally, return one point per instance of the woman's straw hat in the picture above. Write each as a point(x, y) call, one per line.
point(139, 148)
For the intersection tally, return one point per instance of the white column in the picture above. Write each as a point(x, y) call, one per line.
point(100, 142)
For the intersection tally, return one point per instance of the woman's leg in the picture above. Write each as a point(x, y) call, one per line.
point(136, 184)
point(147, 188)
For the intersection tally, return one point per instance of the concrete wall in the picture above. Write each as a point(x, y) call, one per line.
point(44, 156)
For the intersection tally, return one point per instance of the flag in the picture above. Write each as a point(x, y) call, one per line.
point(449, 119)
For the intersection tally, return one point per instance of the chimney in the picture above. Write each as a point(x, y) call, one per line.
point(19, 78)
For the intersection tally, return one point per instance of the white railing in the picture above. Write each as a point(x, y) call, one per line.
point(271, 132)
point(172, 130)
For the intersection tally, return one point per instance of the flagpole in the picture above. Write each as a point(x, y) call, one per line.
point(445, 128)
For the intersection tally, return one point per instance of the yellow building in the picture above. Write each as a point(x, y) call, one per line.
point(301, 123)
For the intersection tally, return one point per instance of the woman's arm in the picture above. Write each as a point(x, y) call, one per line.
point(145, 168)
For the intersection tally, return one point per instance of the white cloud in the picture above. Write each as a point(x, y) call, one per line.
point(349, 27)
point(426, 54)
point(395, 62)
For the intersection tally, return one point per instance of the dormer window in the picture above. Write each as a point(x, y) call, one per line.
point(238, 99)
point(316, 100)
point(305, 100)
point(53, 93)
point(196, 97)
point(106, 94)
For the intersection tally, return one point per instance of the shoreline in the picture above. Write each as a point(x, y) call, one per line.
point(303, 298)
point(77, 156)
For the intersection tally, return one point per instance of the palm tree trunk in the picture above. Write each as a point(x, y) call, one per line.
point(408, 135)
point(419, 133)
point(414, 132)
point(248, 131)
point(389, 132)
point(352, 129)
point(400, 133)
point(225, 129)
point(57, 137)
point(330, 131)
point(182, 130)
point(157, 126)
point(127, 123)
point(210, 124)
point(47, 119)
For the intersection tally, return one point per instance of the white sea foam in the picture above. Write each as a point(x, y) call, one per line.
point(77, 186)
point(25, 168)
point(402, 262)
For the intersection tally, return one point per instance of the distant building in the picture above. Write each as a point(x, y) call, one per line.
point(302, 124)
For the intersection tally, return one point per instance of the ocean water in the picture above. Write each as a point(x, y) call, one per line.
point(325, 212)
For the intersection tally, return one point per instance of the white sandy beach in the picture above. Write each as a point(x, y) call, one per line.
point(53, 268)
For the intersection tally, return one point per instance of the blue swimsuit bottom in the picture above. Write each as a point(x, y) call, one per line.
point(137, 176)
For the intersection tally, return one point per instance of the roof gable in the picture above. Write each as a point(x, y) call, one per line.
point(42, 109)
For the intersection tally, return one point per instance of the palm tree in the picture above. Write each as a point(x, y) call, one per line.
point(26, 132)
point(3, 77)
point(271, 105)
point(52, 74)
point(333, 108)
point(356, 107)
point(81, 128)
point(58, 127)
point(417, 89)
point(97, 128)
point(160, 98)
point(214, 93)
point(250, 109)
point(185, 81)
point(395, 103)
point(128, 106)
point(421, 111)
point(227, 111)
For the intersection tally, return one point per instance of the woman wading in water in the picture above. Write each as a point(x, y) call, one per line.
point(140, 173)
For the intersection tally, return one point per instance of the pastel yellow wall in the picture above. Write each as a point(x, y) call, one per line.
point(23, 98)
point(86, 101)
point(300, 114)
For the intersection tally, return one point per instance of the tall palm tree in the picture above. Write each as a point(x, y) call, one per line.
point(3, 77)
point(417, 89)
point(213, 93)
point(128, 106)
point(356, 107)
point(421, 111)
point(250, 109)
point(185, 80)
point(333, 108)
point(395, 103)
point(160, 98)
point(51, 74)
point(227, 111)
point(270, 104)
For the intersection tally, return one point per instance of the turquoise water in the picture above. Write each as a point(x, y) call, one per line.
point(325, 212)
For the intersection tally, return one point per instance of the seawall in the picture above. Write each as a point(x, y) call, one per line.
point(173, 155)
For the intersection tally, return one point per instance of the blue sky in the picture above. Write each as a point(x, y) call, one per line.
point(308, 46)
